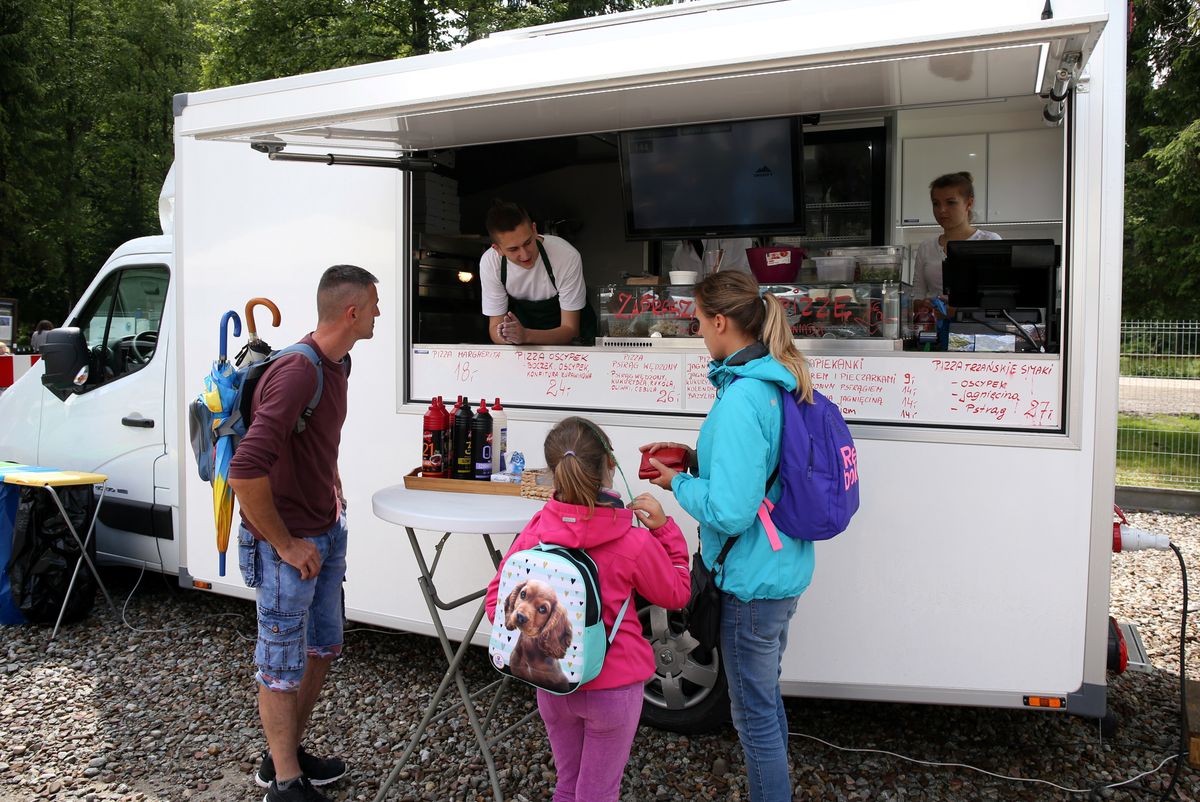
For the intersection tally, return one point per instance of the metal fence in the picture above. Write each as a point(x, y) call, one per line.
point(1158, 432)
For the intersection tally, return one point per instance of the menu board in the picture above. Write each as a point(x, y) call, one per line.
point(951, 389)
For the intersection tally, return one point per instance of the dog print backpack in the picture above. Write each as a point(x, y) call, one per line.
point(548, 629)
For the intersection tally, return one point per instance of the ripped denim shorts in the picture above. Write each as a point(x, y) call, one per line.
point(297, 618)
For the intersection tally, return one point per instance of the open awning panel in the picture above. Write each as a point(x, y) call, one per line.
point(483, 93)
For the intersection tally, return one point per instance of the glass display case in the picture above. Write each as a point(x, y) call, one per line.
point(830, 310)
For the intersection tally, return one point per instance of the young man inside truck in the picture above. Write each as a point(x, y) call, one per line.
point(533, 287)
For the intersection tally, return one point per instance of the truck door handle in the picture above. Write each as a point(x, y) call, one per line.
point(140, 423)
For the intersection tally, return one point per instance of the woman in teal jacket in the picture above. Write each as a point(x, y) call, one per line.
point(753, 355)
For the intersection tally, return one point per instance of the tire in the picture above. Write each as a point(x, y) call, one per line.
point(687, 693)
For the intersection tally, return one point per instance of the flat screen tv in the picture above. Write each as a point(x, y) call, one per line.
point(732, 178)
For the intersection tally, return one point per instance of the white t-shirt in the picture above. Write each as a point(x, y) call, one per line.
point(927, 277)
point(733, 258)
point(533, 284)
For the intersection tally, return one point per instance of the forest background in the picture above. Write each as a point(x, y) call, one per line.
point(86, 118)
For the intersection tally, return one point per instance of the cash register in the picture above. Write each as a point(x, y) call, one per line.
point(1002, 293)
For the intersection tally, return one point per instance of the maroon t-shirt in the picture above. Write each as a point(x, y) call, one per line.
point(302, 466)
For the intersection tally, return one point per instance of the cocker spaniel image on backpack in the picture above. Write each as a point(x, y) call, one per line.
point(548, 631)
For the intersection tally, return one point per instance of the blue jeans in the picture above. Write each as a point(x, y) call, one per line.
point(753, 637)
point(297, 618)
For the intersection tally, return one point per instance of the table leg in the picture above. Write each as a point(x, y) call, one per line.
point(453, 672)
point(83, 557)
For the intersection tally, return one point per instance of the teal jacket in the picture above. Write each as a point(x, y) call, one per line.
point(737, 451)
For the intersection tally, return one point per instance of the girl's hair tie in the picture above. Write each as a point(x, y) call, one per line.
point(569, 453)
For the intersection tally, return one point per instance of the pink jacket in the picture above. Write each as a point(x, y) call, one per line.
point(654, 563)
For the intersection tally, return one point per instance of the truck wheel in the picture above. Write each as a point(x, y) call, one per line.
point(687, 693)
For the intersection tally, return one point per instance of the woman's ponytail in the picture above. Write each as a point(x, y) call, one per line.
point(777, 337)
point(735, 295)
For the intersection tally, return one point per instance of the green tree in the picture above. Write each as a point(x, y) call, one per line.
point(255, 40)
point(23, 189)
point(1162, 207)
point(86, 138)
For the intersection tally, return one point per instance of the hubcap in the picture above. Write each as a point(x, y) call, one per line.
point(684, 675)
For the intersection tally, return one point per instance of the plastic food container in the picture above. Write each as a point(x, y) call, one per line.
point(775, 265)
point(878, 267)
point(834, 268)
point(868, 250)
point(682, 276)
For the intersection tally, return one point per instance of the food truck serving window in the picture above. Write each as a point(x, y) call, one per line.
point(991, 361)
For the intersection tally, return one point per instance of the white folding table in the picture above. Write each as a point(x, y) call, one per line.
point(463, 514)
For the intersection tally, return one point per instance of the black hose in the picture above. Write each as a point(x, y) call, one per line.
point(1183, 749)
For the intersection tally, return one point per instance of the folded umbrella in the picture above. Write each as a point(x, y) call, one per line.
point(256, 350)
point(220, 394)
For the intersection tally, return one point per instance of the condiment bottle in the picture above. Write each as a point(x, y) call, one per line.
point(449, 459)
point(464, 456)
point(433, 446)
point(481, 442)
point(499, 437)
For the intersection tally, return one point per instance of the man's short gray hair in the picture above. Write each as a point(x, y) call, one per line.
point(340, 286)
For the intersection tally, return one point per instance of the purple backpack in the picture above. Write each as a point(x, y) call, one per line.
point(818, 472)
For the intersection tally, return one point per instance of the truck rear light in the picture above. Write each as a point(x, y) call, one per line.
point(1118, 651)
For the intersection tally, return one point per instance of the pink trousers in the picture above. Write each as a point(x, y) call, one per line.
point(590, 735)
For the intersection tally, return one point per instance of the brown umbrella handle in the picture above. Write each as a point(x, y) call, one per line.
point(269, 304)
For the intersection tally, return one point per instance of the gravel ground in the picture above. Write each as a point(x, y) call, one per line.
point(167, 713)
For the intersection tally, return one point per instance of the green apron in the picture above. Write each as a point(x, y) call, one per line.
point(546, 314)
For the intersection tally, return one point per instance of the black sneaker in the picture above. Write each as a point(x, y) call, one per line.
point(300, 790)
point(318, 770)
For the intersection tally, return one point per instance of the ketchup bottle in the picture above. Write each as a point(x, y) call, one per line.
point(433, 446)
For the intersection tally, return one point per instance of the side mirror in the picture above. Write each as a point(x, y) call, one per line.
point(65, 355)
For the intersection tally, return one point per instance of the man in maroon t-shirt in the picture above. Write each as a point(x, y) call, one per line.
point(292, 540)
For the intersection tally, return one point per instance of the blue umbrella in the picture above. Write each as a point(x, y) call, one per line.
point(220, 391)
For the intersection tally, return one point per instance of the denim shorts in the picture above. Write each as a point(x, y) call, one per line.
point(297, 618)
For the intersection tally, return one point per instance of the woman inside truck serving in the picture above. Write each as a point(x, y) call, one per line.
point(533, 288)
point(753, 355)
point(953, 199)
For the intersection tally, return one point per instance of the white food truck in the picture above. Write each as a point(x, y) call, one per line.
point(977, 569)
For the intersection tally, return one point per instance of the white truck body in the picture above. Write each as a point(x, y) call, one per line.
point(977, 570)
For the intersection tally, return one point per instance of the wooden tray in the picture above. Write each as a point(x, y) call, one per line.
point(413, 480)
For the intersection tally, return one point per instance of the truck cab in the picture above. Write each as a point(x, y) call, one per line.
point(97, 401)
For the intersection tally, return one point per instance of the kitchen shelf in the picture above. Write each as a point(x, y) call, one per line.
point(848, 206)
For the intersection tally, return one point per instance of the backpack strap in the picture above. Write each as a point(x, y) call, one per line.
point(307, 350)
point(621, 615)
point(765, 506)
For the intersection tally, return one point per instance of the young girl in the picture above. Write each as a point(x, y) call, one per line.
point(953, 199)
point(592, 729)
point(753, 355)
